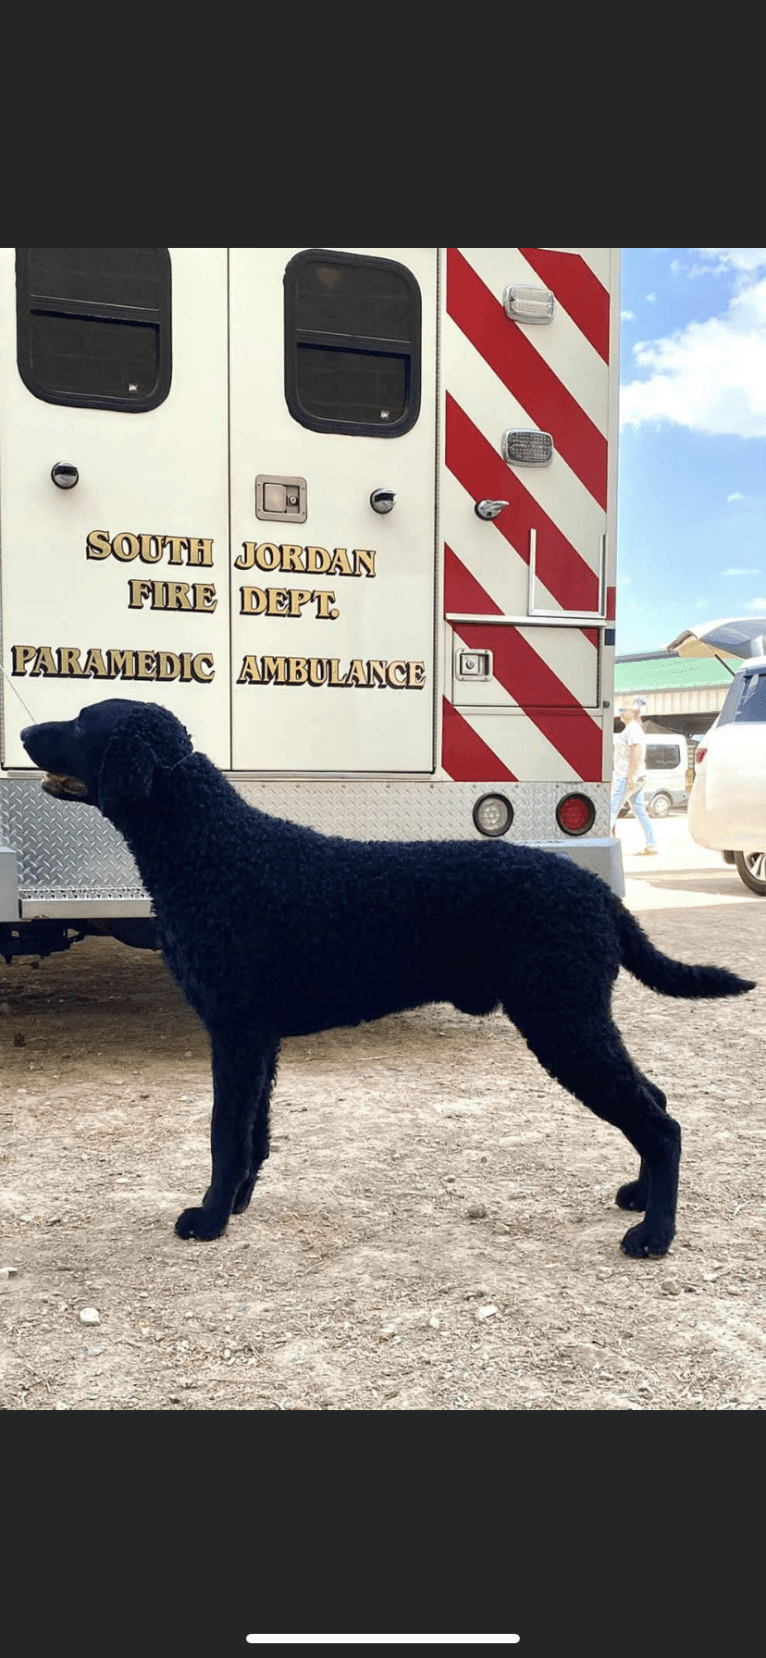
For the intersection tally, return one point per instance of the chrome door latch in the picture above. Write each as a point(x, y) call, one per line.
point(489, 509)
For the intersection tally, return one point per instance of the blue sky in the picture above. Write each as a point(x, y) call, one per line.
point(691, 529)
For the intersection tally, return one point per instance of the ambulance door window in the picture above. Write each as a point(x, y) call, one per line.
point(352, 344)
point(94, 326)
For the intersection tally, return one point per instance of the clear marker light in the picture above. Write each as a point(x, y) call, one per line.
point(383, 1640)
point(527, 448)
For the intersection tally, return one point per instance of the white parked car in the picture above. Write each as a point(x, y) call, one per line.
point(727, 809)
point(727, 805)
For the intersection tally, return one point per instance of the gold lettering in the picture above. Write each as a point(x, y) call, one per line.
point(324, 600)
point(98, 544)
point(122, 664)
point(267, 556)
point(168, 665)
point(317, 560)
point(317, 670)
point(278, 601)
point(69, 662)
point(146, 665)
point(22, 655)
point(340, 563)
point(200, 551)
point(253, 601)
point(44, 663)
point(178, 596)
point(126, 546)
point(334, 676)
point(246, 558)
point(140, 590)
point(200, 663)
point(204, 596)
point(416, 675)
point(356, 674)
point(147, 543)
point(394, 667)
point(95, 665)
point(299, 596)
point(377, 673)
point(363, 561)
point(250, 674)
point(292, 558)
point(176, 543)
point(273, 668)
point(297, 670)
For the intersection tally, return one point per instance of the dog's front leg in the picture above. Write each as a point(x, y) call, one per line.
point(243, 1072)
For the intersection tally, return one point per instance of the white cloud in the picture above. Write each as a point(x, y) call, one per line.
point(651, 298)
point(709, 376)
point(740, 572)
point(628, 316)
point(759, 605)
point(735, 497)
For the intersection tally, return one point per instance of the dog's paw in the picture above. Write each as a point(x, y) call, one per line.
point(200, 1223)
point(643, 1240)
point(633, 1195)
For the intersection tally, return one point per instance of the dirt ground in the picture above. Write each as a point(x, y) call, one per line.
point(435, 1228)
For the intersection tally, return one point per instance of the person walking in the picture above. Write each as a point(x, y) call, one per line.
point(630, 771)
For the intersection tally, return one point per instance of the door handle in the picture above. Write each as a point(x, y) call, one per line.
point(64, 475)
point(382, 500)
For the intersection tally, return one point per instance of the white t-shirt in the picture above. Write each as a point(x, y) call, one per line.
point(625, 742)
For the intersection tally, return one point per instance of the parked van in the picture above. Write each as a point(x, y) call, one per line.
point(666, 772)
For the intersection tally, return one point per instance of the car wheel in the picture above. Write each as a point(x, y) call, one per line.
point(660, 805)
point(751, 867)
point(728, 857)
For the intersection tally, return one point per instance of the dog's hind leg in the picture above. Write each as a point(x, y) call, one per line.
point(243, 1070)
point(634, 1194)
point(586, 1054)
point(259, 1137)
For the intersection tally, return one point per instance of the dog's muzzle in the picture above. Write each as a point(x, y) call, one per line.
point(64, 788)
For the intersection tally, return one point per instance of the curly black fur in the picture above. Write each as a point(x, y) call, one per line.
point(273, 930)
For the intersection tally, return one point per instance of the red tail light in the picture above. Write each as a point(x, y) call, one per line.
point(699, 756)
point(575, 814)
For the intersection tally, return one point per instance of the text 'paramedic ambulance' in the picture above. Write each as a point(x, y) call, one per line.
point(348, 513)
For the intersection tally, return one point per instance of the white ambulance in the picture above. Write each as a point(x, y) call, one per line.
point(348, 512)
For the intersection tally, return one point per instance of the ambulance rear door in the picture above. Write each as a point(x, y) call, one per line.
point(333, 467)
point(114, 548)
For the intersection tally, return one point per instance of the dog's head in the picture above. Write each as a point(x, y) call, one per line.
point(109, 754)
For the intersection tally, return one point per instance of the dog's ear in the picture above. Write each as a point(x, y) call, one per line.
point(127, 770)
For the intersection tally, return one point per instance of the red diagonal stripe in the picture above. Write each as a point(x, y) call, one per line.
point(583, 297)
point(507, 350)
point(483, 472)
point(545, 699)
point(462, 592)
point(465, 756)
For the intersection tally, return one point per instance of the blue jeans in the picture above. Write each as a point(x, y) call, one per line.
point(636, 803)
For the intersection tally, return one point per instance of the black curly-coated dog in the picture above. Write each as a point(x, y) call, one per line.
point(273, 930)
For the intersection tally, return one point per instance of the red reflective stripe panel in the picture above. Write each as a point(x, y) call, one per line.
point(542, 696)
point(465, 756)
point(483, 473)
point(583, 297)
point(462, 592)
point(508, 352)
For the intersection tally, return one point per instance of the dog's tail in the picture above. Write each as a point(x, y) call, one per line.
point(671, 978)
